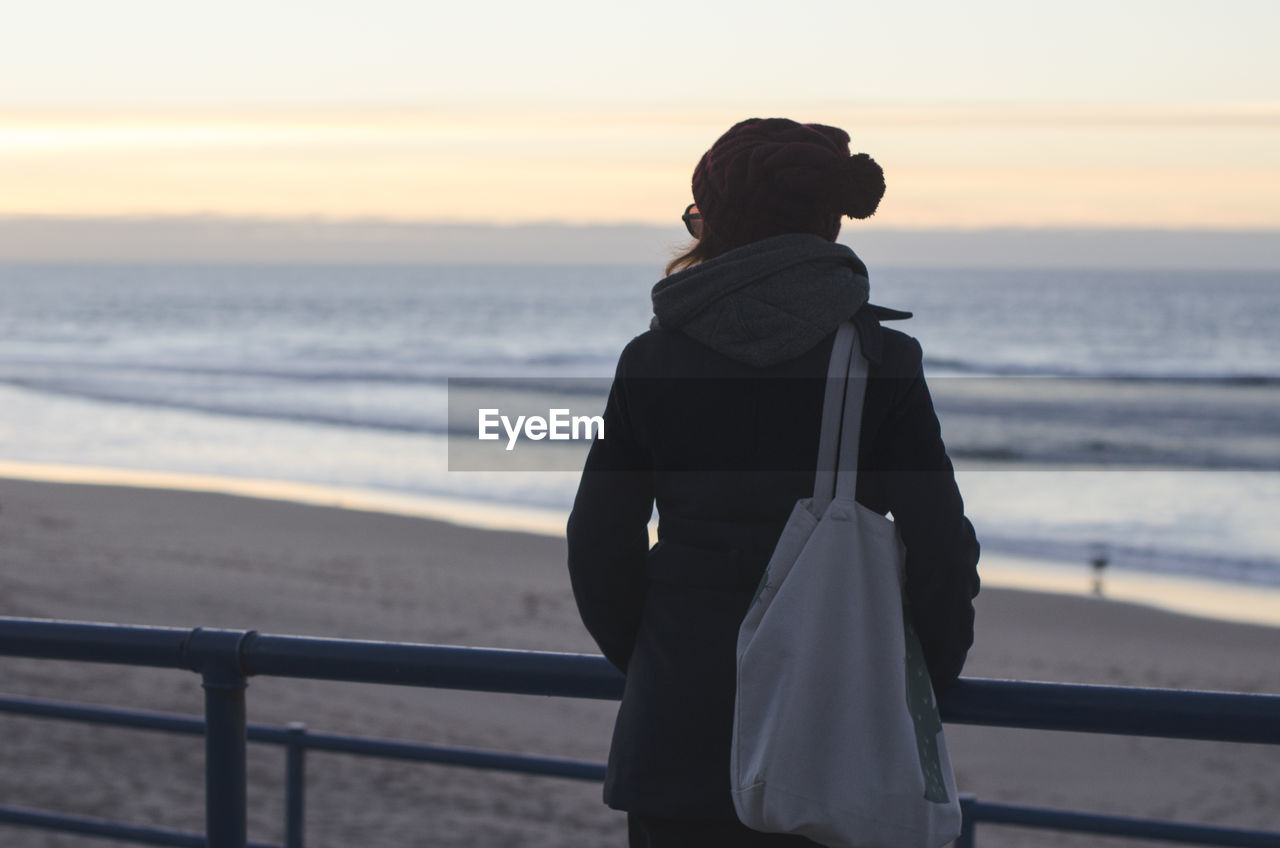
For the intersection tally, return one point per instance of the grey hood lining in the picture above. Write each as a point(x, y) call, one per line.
point(766, 302)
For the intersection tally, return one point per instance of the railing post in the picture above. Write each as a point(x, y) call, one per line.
point(226, 793)
point(967, 823)
point(216, 655)
point(295, 784)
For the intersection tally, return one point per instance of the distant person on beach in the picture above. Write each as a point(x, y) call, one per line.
point(1098, 560)
point(714, 414)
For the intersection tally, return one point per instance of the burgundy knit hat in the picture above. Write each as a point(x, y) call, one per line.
point(769, 176)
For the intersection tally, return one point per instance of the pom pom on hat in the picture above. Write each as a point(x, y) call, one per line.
point(859, 186)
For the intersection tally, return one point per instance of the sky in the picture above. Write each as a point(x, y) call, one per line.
point(1127, 113)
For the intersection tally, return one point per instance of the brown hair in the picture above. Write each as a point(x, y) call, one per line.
point(706, 247)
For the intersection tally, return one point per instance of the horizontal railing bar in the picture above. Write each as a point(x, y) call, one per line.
point(1216, 716)
point(1128, 711)
point(435, 666)
point(131, 719)
point(93, 642)
point(518, 763)
point(983, 812)
point(333, 743)
point(356, 661)
point(86, 826)
point(110, 716)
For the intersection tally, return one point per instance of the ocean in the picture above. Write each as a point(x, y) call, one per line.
point(1132, 414)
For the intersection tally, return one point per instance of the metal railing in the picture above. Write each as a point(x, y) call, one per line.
point(226, 658)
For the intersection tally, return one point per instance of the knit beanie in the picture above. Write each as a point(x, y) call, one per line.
point(770, 176)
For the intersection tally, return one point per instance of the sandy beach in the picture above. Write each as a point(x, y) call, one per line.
point(100, 553)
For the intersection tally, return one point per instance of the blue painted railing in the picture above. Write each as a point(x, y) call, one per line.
point(225, 658)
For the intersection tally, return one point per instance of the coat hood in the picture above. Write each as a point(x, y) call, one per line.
point(765, 302)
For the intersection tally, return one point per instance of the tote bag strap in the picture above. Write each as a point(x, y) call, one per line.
point(837, 474)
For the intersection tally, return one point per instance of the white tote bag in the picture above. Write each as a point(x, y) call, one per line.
point(836, 735)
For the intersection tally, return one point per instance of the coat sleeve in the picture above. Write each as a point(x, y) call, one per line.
point(608, 536)
point(942, 548)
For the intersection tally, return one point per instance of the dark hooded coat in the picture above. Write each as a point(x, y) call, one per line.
point(714, 415)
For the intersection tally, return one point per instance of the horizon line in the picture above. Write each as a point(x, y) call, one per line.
point(324, 219)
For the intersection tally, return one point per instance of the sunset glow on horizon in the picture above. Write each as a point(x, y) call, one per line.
point(1190, 167)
